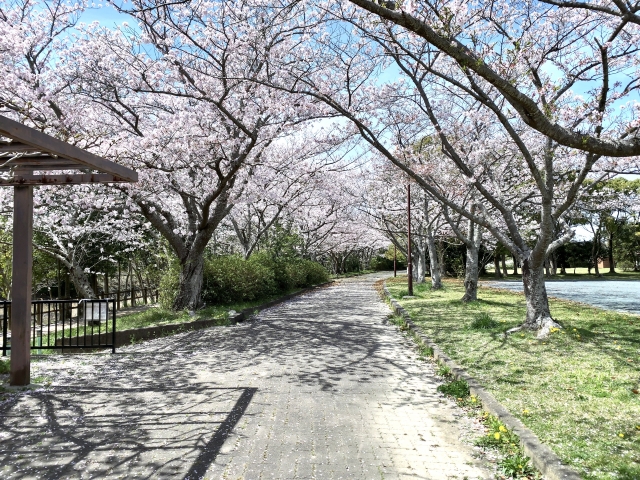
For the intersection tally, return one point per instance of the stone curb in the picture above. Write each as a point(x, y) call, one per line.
point(125, 337)
point(541, 456)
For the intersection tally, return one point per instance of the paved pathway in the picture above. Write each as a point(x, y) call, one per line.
point(319, 387)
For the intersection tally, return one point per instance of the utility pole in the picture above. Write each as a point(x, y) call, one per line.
point(409, 265)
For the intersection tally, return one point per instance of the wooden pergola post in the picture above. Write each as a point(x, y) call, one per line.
point(29, 158)
point(21, 285)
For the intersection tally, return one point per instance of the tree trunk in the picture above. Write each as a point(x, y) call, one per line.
point(496, 265)
point(422, 268)
point(189, 295)
point(535, 292)
point(471, 275)
point(594, 253)
point(441, 264)
point(82, 283)
point(436, 278)
point(504, 266)
point(612, 267)
point(546, 267)
point(515, 265)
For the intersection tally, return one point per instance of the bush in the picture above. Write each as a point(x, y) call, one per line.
point(232, 279)
point(456, 388)
point(483, 322)
point(169, 285)
point(315, 273)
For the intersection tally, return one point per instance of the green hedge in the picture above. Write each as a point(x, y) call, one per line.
point(230, 279)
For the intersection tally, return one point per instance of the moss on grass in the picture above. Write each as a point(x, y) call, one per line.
point(574, 390)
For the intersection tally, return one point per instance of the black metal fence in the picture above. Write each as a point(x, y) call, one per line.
point(66, 324)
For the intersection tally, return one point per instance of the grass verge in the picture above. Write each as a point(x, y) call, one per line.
point(577, 390)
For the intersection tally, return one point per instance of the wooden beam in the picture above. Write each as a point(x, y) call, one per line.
point(16, 147)
point(70, 179)
point(20, 373)
point(43, 142)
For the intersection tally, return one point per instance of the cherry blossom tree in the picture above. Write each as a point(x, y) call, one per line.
point(68, 222)
point(474, 139)
point(180, 109)
point(536, 55)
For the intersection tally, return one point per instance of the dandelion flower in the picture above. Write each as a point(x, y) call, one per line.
point(496, 436)
point(502, 429)
point(621, 435)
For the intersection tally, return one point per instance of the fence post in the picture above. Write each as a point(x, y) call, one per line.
point(5, 325)
point(113, 330)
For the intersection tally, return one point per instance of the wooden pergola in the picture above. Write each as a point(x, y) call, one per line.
point(27, 158)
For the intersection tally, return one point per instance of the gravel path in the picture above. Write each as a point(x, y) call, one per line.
point(318, 387)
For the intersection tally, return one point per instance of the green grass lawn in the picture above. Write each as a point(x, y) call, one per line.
point(575, 390)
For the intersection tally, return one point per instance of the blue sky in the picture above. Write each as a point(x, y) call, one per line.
point(106, 15)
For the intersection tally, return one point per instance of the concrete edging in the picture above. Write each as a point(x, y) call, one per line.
point(125, 337)
point(542, 457)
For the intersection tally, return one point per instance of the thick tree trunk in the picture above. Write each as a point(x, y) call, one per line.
point(496, 266)
point(471, 275)
point(436, 278)
point(535, 292)
point(505, 272)
point(415, 271)
point(189, 294)
point(515, 265)
point(82, 283)
point(441, 266)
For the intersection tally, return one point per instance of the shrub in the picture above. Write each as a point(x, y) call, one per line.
point(456, 388)
point(5, 366)
point(315, 273)
point(232, 279)
point(169, 284)
point(483, 322)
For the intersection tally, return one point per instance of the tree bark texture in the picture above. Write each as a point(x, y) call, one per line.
point(535, 292)
point(82, 283)
point(612, 266)
point(496, 266)
point(434, 262)
point(191, 278)
point(471, 271)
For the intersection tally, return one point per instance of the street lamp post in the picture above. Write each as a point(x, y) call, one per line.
point(409, 265)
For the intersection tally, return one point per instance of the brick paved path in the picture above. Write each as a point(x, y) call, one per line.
point(319, 387)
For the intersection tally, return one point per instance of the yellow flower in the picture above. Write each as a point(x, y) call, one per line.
point(525, 411)
point(496, 436)
point(621, 435)
point(502, 429)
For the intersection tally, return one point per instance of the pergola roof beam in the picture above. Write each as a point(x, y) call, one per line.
point(42, 142)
